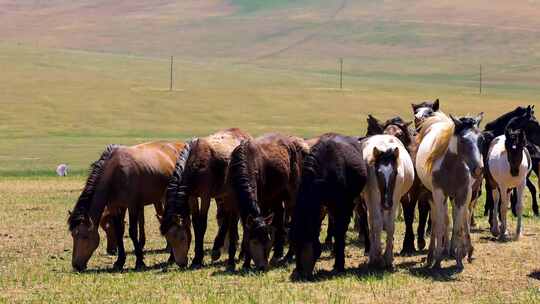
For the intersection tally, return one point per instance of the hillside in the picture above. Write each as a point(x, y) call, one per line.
point(388, 39)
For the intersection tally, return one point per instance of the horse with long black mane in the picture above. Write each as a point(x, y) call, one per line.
point(264, 175)
point(523, 118)
point(509, 164)
point(122, 178)
point(201, 172)
point(334, 174)
point(418, 193)
point(448, 162)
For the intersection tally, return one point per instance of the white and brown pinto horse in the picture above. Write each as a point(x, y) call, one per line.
point(448, 162)
point(509, 164)
point(390, 177)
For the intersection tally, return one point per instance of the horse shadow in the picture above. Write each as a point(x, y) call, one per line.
point(436, 274)
point(535, 274)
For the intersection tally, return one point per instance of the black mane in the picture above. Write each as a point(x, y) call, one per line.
point(80, 211)
point(177, 204)
point(241, 181)
point(498, 125)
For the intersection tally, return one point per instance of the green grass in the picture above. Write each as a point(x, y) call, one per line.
point(35, 253)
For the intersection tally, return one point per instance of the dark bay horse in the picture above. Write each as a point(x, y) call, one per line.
point(201, 172)
point(264, 175)
point(122, 178)
point(334, 174)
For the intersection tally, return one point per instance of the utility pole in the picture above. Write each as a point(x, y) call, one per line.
point(480, 79)
point(341, 73)
point(171, 83)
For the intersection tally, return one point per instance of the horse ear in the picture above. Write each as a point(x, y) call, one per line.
point(396, 152)
point(456, 121)
point(436, 105)
point(479, 118)
point(376, 152)
point(268, 219)
point(414, 106)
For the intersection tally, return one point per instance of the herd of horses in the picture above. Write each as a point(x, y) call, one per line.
point(281, 188)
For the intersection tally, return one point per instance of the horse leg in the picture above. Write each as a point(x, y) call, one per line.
point(447, 242)
point(494, 214)
point(364, 226)
point(118, 221)
point(279, 225)
point(200, 220)
point(409, 205)
point(389, 218)
point(375, 230)
point(219, 241)
point(232, 228)
point(423, 212)
point(245, 249)
point(519, 210)
point(134, 213)
point(439, 213)
point(142, 232)
point(488, 207)
point(532, 189)
point(329, 231)
point(341, 223)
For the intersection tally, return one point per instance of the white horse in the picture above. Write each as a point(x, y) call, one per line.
point(390, 176)
point(448, 163)
point(509, 164)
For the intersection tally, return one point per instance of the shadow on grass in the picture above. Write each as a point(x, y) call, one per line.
point(158, 266)
point(436, 274)
point(535, 274)
point(363, 271)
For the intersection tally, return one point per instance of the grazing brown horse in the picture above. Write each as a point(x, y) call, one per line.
point(201, 172)
point(264, 176)
point(122, 178)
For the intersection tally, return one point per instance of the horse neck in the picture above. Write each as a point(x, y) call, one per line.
point(100, 197)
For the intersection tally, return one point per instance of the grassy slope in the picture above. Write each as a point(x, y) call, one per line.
point(65, 106)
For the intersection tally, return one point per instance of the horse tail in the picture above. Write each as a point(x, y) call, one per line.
point(307, 207)
point(176, 197)
point(240, 175)
point(97, 168)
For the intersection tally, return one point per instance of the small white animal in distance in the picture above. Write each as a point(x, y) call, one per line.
point(62, 170)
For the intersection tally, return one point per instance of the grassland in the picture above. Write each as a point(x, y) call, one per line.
point(65, 105)
point(77, 75)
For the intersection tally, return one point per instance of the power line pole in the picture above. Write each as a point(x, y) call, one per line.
point(480, 79)
point(171, 83)
point(341, 73)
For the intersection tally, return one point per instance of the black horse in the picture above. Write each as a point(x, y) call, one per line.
point(519, 118)
point(333, 174)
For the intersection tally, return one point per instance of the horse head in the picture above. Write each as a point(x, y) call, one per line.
point(515, 142)
point(260, 238)
point(85, 239)
point(385, 164)
point(424, 110)
point(469, 142)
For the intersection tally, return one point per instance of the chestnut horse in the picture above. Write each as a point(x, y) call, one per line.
point(123, 178)
point(201, 172)
point(264, 175)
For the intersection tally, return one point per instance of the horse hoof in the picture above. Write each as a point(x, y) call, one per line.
point(216, 254)
point(421, 244)
point(140, 266)
point(407, 252)
point(118, 266)
point(230, 268)
point(196, 265)
point(111, 252)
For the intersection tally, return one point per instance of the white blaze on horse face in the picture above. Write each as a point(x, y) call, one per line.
point(422, 112)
